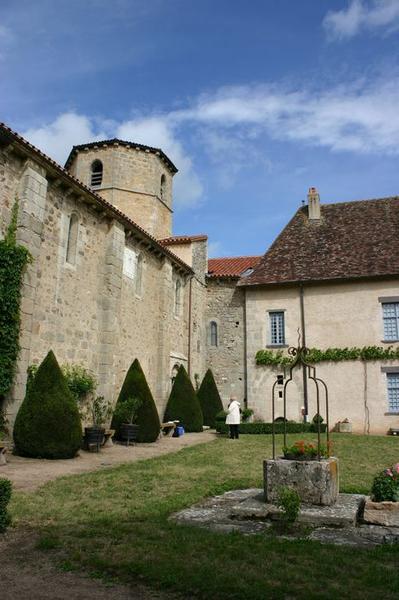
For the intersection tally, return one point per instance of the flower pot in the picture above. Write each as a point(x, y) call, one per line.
point(128, 432)
point(344, 427)
point(94, 437)
point(300, 457)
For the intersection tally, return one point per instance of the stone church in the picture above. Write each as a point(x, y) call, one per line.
point(109, 282)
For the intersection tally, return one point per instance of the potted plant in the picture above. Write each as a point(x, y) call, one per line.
point(100, 411)
point(383, 506)
point(302, 450)
point(126, 412)
point(344, 426)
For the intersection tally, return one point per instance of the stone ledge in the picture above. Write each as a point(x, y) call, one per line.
point(381, 513)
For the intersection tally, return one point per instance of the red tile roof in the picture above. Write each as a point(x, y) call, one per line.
point(232, 266)
point(183, 239)
point(7, 136)
point(352, 240)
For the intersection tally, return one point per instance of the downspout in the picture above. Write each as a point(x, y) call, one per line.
point(304, 378)
point(189, 327)
point(245, 351)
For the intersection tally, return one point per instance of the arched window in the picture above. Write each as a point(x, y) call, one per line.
point(163, 187)
point(177, 297)
point(72, 240)
point(139, 274)
point(214, 333)
point(96, 173)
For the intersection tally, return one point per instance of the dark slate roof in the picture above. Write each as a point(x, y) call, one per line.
point(233, 266)
point(118, 142)
point(351, 240)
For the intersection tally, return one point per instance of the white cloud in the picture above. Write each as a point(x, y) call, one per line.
point(380, 15)
point(159, 131)
point(57, 138)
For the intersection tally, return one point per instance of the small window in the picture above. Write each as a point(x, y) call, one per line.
point(72, 241)
point(163, 187)
point(96, 174)
point(177, 297)
point(390, 313)
point(129, 263)
point(393, 392)
point(214, 333)
point(139, 274)
point(277, 334)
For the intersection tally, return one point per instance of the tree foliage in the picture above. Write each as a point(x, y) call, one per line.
point(183, 404)
point(209, 399)
point(48, 422)
point(136, 386)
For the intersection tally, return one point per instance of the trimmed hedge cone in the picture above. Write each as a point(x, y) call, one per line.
point(5, 496)
point(48, 421)
point(209, 399)
point(183, 404)
point(136, 386)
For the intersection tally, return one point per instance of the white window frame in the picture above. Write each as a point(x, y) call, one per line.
point(276, 328)
point(390, 318)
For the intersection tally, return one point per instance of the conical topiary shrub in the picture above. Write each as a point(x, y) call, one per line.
point(183, 404)
point(136, 386)
point(209, 399)
point(48, 422)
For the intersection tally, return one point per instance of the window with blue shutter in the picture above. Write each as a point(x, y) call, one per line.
point(393, 392)
point(390, 313)
point(277, 334)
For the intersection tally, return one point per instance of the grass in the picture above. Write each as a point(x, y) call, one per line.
point(115, 523)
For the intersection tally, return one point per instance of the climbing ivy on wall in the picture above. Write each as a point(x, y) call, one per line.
point(278, 358)
point(13, 259)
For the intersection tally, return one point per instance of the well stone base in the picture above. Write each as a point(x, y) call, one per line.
point(316, 482)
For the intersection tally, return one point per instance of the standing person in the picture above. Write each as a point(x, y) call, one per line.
point(233, 417)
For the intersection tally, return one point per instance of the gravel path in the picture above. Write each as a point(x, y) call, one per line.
point(27, 474)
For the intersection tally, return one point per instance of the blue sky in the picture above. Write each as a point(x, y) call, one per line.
point(254, 101)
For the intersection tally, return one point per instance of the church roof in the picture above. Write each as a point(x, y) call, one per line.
point(233, 267)
point(352, 240)
point(118, 142)
point(8, 136)
point(183, 239)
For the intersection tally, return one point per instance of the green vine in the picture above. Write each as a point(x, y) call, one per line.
point(278, 358)
point(13, 259)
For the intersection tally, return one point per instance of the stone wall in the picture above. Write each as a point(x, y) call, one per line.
point(87, 310)
point(131, 182)
point(225, 306)
point(336, 315)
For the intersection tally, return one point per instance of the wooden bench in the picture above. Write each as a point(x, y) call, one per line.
point(168, 429)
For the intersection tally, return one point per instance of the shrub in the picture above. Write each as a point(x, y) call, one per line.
point(209, 399)
point(48, 422)
point(290, 502)
point(126, 412)
point(247, 414)
point(79, 380)
point(386, 485)
point(304, 450)
point(5, 495)
point(136, 386)
point(221, 417)
point(183, 404)
point(266, 428)
point(99, 410)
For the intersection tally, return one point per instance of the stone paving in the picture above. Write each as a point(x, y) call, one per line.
point(246, 511)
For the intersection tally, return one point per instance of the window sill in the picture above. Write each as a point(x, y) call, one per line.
point(277, 346)
point(392, 414)
point(389, 341)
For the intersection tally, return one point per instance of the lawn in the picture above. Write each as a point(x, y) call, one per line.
point(115, 524)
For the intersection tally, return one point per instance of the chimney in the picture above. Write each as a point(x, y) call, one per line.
point(313, 204)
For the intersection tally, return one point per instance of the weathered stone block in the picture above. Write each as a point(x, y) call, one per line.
point(316, 482)
point(381, 513)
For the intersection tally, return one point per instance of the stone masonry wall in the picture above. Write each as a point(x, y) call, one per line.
point(132, 183)
point(225, 306)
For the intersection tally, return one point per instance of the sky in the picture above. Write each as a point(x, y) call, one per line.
point(253, 101)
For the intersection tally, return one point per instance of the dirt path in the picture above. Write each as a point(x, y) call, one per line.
point(27, 474)
point(26, 572)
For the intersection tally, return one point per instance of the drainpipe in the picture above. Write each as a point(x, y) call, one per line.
point(304, 377)
point(189, 326)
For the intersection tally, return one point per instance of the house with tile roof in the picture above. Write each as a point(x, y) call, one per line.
point(109, 282)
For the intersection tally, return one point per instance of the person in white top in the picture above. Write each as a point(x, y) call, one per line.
point(233, 417)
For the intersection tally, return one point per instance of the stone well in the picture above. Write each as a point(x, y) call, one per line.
point(316, 481)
